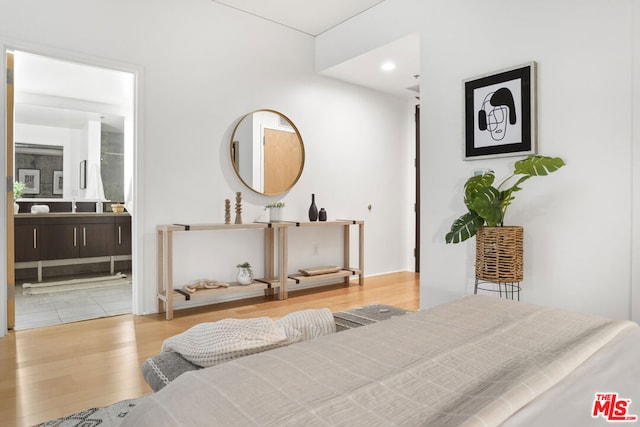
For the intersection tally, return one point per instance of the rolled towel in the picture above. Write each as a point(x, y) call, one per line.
point(39, 209)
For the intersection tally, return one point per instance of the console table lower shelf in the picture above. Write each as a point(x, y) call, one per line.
point(234, 289)
point(274, 285)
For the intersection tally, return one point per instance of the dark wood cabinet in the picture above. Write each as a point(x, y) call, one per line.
point(97, 237)
point(123, 235)
point(27, 242)
point(59, 239)
point(66, 237)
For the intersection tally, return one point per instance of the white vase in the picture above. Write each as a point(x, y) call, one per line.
point(275, 214)
point(16, 208)
point(245, 276)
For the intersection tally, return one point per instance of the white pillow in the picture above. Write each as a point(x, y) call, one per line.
point(211, 343)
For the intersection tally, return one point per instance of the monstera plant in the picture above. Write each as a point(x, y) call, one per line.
point(487, 204)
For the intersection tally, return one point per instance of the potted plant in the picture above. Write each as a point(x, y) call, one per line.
point(245, 273)
point(18, 191)
point(275, 211)
point(487, 204)
point(498, 248)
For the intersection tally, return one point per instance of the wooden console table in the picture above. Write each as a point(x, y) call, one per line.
point(278, 230)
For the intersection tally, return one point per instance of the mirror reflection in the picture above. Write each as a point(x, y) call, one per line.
point(267, 152)
point(84, 114)
point(66, 154)
point(41, 169)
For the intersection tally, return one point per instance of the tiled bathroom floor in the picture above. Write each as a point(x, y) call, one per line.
point(33, 311)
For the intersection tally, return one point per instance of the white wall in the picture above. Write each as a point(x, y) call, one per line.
point(578, 222)
point(202, 66)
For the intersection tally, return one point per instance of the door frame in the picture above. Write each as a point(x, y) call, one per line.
point(137, 228)
point(9, 168)
point(416, 251)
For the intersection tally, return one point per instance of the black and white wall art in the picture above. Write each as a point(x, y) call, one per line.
point(499, 118)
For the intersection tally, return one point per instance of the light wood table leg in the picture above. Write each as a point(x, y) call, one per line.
point(169, 272)
point(347, 251)
point(269, 259)
point(361, 254)
point(160, 271)
point(165, 273)
point(283, 266)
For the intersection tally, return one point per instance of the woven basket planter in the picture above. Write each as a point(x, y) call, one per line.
point(499, 254)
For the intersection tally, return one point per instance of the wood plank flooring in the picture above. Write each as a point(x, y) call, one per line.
point(55, 371)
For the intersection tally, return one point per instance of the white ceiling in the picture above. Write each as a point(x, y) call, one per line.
point(53, 92)
point(365, 69)
point(309, 17)
point(314, 18)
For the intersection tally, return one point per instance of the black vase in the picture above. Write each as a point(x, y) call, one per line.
point(313, 210)
point(322, 215)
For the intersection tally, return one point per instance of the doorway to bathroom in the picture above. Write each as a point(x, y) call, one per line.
point(71, 154)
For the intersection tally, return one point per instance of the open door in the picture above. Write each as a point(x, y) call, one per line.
point(11, 287)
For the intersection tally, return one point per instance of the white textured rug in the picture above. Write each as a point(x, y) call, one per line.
point(75, 284)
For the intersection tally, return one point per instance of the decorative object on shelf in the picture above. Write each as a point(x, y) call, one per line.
point(203, 284)
point(117, 207)
point(314, 271)
point(18, 190)
point(227, 211)
point(275, 211)
point(245, 273)
point(39, 209)
point(238, 208)
point(313, 209)
point(322, 215)
point(500, 113)
point(487, 204)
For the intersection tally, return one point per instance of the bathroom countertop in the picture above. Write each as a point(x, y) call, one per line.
point(69, 214)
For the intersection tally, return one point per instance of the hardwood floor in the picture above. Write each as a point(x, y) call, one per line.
point(55, 371)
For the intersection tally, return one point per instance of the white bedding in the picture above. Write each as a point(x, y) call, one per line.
point(614, 368)
point(475, 361)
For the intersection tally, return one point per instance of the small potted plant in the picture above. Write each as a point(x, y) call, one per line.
point(275, 211)
point(18, 191)
point(245, 273)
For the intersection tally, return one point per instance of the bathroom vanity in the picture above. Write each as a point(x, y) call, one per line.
point(54, 239)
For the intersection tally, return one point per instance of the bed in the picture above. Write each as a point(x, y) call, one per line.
point(477, 361)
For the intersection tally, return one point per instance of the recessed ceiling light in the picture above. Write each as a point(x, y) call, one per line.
point(388, 66)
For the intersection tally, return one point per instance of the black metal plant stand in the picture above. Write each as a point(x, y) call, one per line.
point(510, 290)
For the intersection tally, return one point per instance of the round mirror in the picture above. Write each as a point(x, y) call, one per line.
point(267, 152)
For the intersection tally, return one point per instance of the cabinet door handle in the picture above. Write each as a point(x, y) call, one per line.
point(35, 238)
point(75, 236)
point(84, 236)
point(119, 234)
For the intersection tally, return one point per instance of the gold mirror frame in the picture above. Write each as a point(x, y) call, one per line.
point(277, 163)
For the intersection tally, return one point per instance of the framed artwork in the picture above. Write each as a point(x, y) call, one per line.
point(83, 174)
point(57, 182)
point(31, 180)
point(500, 113)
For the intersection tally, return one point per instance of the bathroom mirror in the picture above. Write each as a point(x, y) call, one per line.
point(267, 152)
